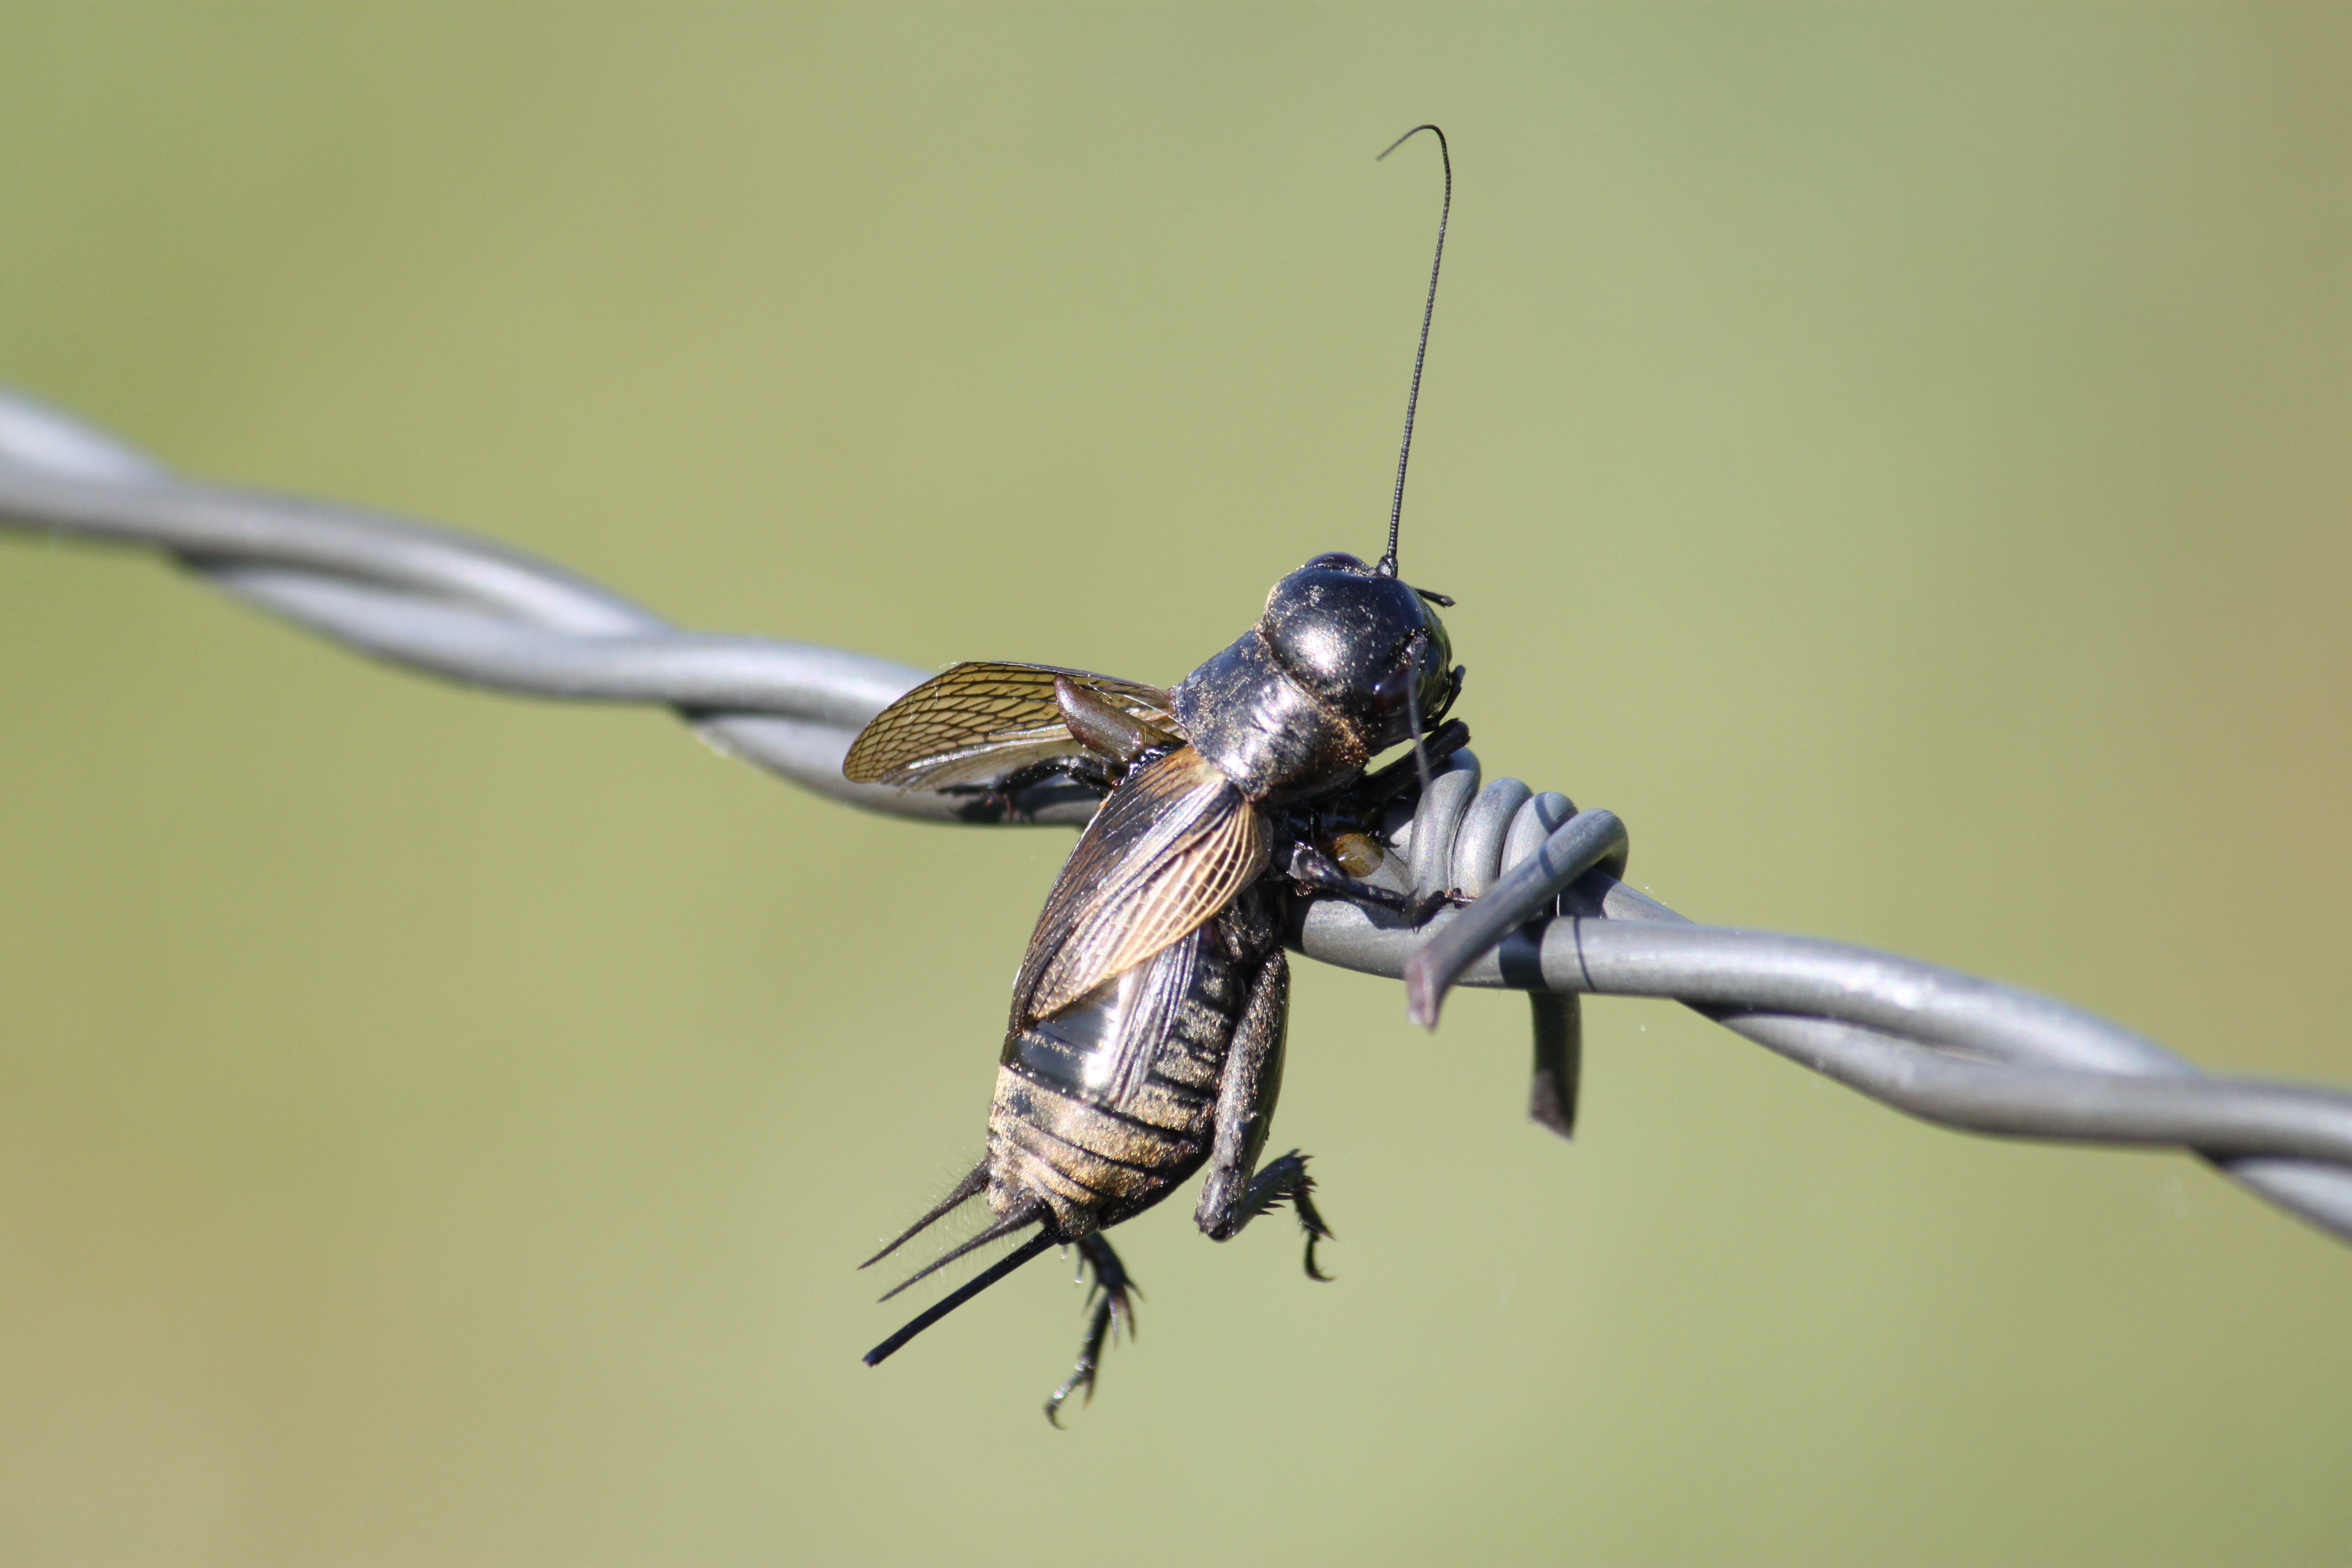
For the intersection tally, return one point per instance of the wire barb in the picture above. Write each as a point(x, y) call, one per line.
point(1946, 1047)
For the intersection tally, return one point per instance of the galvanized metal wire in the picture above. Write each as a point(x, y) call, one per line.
point(1946, 1047)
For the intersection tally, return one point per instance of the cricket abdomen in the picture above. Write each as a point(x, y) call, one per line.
point(1105, 1107)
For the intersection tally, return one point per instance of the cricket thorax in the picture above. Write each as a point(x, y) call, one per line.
point(1262, 729)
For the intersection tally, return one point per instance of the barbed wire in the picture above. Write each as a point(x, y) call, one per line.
point(1946, 1047)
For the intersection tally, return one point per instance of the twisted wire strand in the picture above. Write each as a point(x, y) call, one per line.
point(1946, 1047)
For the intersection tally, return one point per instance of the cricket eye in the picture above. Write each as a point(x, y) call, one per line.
point(1388, 691)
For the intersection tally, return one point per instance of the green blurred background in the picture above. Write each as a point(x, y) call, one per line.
point(1896, 457)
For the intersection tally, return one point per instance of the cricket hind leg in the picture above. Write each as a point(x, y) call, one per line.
point(1235, 1191)
point(1284, 1181)
point(1112, 1311)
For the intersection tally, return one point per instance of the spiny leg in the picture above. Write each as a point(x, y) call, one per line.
point(1287, 1181)
point(1311, 870)
point(1233, 1193)
point(1000, 802)
point(1108, 1296)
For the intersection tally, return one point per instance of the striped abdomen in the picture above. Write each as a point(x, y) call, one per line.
point(1105, 1107)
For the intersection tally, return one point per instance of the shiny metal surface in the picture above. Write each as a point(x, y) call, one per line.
point(1946, 1047)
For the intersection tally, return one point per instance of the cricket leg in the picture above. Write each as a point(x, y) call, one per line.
point(1314, 871)
point(1284, 1181)
point(1234, 1192)
point(1246, 1090)
point(1112, 1311)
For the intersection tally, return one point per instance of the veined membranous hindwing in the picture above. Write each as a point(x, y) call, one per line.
point(1146, 1036)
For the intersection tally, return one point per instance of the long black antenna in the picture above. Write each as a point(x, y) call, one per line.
point(1396, 506)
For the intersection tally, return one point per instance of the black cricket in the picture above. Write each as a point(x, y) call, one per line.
point(1148, 1018)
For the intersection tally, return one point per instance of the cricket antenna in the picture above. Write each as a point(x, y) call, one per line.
point(1412, 702)
point(1388, 567)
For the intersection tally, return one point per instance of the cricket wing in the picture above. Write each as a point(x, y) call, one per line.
point(976, 723)
point(1103, 1045)
point(1174, 843)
